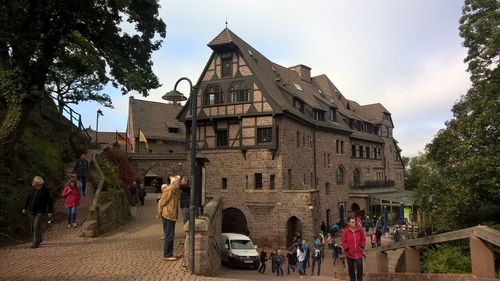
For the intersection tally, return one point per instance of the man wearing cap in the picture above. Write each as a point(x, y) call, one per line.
point(168, 207)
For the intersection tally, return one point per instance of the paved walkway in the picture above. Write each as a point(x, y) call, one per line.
point(133, 252)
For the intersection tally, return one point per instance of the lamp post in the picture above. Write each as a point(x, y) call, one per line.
point(175, 96)
point(99, 112)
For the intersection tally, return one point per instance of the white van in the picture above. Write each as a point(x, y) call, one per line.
point(238, 250)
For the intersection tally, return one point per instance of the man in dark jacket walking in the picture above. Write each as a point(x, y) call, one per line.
point(82, 171)
point(353, 243)
point(37, 203)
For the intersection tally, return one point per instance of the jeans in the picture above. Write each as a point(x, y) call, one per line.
point(279, 269)
point(318, 262)
point(35, 227)
point(292, 266)
point(358, 263)
point(71, 214)
point(185, 214)
point(83, 179)
point(262, 267)
point(168, 240)
point(301, 267)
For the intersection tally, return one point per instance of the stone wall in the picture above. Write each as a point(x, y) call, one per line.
point(207, 240)
point(114, 210)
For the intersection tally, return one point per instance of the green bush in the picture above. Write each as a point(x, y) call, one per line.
point(446, 259)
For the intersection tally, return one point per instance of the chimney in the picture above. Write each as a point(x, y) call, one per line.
point(303, 71)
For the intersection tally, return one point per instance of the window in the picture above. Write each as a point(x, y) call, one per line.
point(328, 157)
point(340, 175)
point(333, 114)
point(356, 175)
point(341, 147)
point(337, 145)
point(353, 149)
point(264, 135)
point(298, 139)
point(238, 92)
point(258, 181)
point(361, 151)
point(327, 188)
point(221, 138)
point(224, 183)
point(298, 87)
point(319, 115)
point(227, 66)
point(173, 130)
point(298, 104)
point(289, 178)
point(368, 152)
point(271, 181)
point(213, 95)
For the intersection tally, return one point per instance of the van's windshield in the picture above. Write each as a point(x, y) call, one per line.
point(241, 244)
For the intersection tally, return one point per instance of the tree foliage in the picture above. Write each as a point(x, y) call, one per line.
point(446, 259)
point(38, 38)
point(466, 151)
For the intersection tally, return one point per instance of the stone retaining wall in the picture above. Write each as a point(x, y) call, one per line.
point(207, 240)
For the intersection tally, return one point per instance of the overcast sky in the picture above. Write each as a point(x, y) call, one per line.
point(407, 54)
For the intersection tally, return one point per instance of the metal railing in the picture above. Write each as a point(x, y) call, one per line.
point(73, 117)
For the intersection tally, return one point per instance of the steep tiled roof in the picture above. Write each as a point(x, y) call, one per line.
point(278, 84)
point(105, 137)
point(373, 112)
point(154, 119)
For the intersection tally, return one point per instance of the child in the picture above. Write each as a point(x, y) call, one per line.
point(373, 239)
point(71, 193)
point(273, 264)
point(278, 262)
point(263, 259)
point(336, 253)
point(292, 259)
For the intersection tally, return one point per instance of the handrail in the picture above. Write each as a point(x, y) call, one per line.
point(74, 117)
point(480, 231)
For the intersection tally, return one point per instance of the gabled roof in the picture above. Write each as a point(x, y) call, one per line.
point(277, 83)
point(154, 119)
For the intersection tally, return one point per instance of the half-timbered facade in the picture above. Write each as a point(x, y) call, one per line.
point(286, 150)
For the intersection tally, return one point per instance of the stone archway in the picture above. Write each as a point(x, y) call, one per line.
point(234, 221)
point(293, 226)
point(355, 208)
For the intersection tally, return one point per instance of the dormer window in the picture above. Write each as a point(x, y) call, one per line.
point(333, 114)
point(173, 130)
point(298, 104)
point(298, 87)
point(239, 92)
point(213, 95)
point(318, 115)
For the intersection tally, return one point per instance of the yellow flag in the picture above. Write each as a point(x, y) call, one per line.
point(143, 139)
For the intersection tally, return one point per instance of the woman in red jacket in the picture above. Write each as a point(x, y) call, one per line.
point(353, 243)
point(71, 194)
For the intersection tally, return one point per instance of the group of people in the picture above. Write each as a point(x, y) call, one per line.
point(39, 199)
point(137, 190)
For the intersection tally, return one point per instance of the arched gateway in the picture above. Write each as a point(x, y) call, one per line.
point(234, 221)
point(293, 226)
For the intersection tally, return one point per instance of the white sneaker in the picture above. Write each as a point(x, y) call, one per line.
point(73, 224)
point(68, 226)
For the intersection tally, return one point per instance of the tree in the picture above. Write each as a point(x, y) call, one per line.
point(78, 76)
point(35, 36)
point(466, 151)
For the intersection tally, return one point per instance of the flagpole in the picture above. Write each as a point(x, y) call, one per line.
point(126, 140)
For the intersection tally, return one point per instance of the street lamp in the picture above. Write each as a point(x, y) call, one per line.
point(99, 112)
point(176, 96)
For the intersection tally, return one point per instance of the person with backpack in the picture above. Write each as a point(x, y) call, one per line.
point(82, 170)
point(316, 252)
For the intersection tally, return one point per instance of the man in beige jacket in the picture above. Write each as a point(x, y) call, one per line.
point(168, 208)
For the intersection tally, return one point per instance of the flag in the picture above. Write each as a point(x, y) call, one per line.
point(130, 140)
point(121, 139)
point(143, 139)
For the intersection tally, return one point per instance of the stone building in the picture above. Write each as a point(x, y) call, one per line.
point(287, 150)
